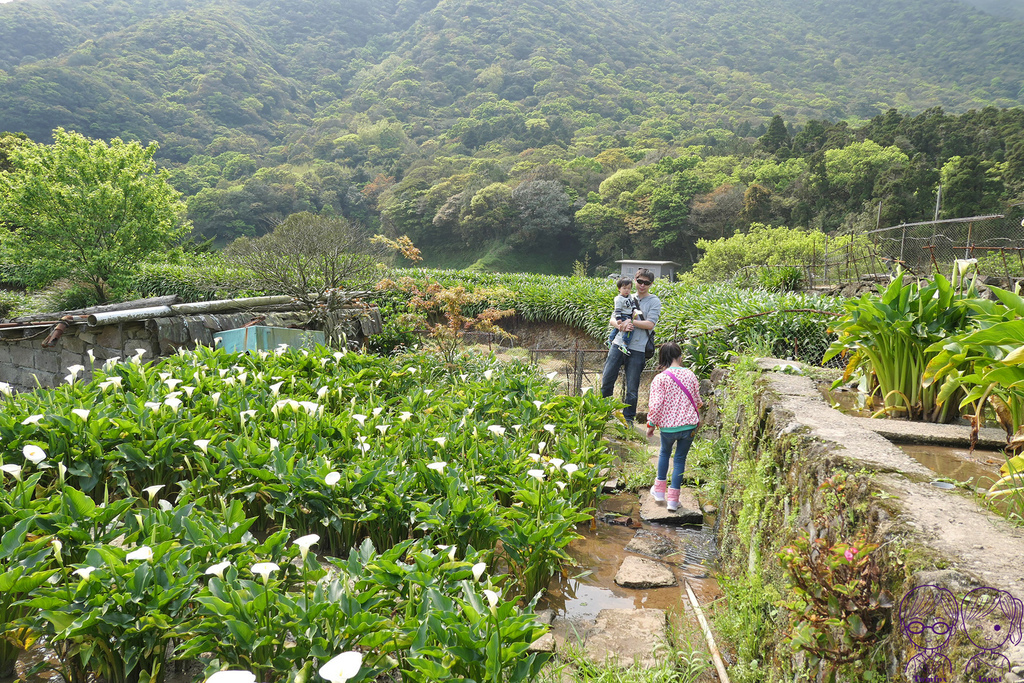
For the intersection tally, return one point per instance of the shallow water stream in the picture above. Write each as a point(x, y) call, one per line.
point(590, 587)
point(980, 468)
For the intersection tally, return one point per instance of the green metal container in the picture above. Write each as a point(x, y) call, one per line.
point(263, 338)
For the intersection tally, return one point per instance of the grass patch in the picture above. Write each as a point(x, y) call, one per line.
point(679, 664)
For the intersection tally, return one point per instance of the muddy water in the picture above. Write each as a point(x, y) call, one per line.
point(980, 468)
point(590, 587)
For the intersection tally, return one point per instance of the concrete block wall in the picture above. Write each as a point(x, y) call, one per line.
point(25, 364)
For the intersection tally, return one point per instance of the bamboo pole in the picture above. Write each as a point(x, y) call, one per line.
point(723, 676)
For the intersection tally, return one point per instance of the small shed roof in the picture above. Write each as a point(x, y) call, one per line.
point(653, 263)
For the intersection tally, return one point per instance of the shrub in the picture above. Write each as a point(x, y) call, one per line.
point(776, 246)
point(203, 278)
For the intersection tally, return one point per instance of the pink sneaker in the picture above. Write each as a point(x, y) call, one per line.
point(672, 496)
point(658, 490)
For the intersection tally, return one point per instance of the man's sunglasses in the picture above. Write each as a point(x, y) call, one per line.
point(645, 283)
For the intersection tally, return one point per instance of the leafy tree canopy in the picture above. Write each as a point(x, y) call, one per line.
point(86, 210)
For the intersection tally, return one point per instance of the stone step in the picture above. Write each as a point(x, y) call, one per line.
point(621, 637)
point(688, 513)
point(640, 572)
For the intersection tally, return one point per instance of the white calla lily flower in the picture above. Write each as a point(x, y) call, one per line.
point(304, 543)
point(492, 598)
point(231, 676)
point(152, 490)
point(12, 469)
point(265, 569)
point(218, 569)
point(143, 553)
point(34, 454)
point(343, 667)
point(84, 572)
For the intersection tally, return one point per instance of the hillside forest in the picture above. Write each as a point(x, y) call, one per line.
point(529, 135)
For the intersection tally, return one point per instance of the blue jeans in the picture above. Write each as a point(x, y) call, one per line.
point(634, 363)
point(683, 441)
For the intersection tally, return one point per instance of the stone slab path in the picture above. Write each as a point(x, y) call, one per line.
point(630, 637)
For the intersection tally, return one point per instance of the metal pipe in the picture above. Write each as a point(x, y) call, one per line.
point(114, 317)
point(226, 304)
point(57, 332)
point(723, 676)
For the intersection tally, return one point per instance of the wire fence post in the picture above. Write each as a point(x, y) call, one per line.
point(577, 370)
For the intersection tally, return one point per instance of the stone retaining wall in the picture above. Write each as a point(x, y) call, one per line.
point(927, 535)
point(25, 364)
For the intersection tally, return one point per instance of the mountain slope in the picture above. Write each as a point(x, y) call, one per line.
point(186, 72)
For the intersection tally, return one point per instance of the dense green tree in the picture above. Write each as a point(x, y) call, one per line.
point(9, 141)
point(970, 187)
point(777, 137)
point(86, 210)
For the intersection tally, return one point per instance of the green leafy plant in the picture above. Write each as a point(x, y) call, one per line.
point(891, 339)
point(781, 279)
point(838, 605)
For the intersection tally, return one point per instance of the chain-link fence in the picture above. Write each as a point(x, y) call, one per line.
point(839, 261)
point(996, 241)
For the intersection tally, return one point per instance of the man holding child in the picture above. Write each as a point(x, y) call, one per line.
point(634, 361)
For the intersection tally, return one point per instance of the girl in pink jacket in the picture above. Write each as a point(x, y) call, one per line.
point(673, 407)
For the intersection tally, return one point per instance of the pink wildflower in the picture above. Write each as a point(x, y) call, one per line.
point(850, 553)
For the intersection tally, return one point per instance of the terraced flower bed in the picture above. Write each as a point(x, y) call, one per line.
point(270, 512)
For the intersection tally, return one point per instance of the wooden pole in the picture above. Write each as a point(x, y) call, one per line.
point(723, 676)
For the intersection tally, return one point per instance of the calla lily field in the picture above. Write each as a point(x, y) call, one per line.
point(293, 516)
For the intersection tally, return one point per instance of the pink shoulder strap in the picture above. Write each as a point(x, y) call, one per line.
point(685, 390)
